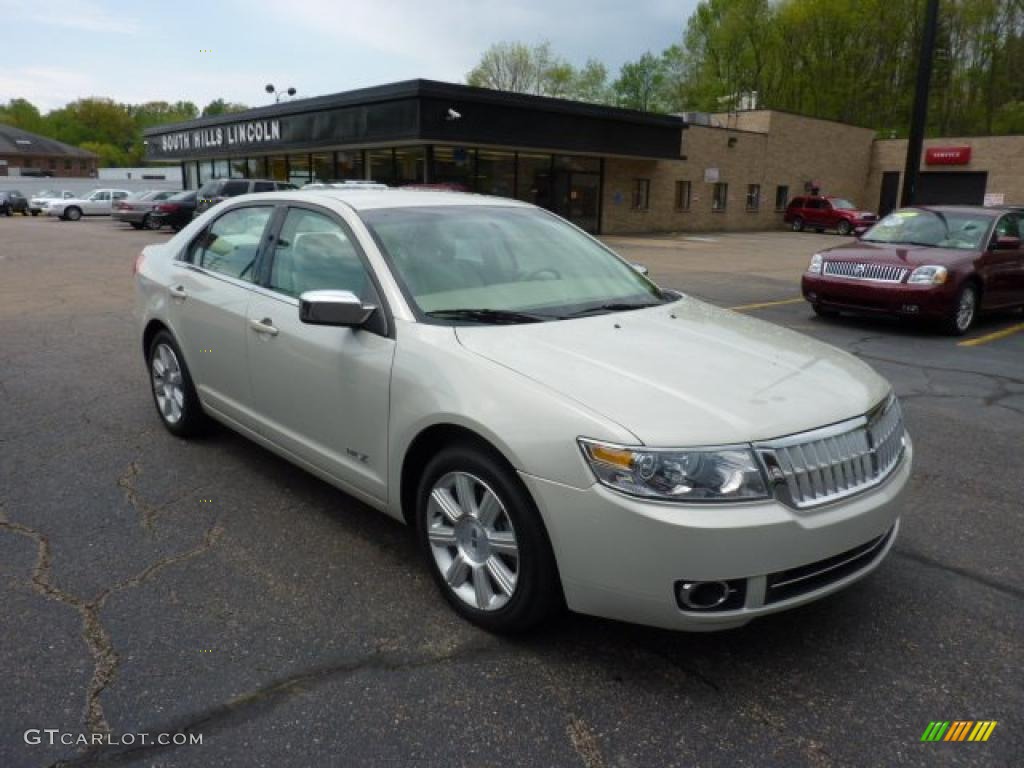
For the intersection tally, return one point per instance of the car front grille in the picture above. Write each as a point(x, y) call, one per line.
point(785, 585)
point(818, 467)
point(882, 273)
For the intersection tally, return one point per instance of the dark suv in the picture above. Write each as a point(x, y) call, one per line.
point(12, 201)
point(821, 212)
point(213, 192)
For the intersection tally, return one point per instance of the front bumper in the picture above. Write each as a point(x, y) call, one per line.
point(870, 296)
point(621, 558)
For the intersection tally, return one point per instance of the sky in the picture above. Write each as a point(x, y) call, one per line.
point(60, 50)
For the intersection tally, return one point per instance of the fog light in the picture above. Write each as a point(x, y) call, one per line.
point(704, 596)
point(812, 296)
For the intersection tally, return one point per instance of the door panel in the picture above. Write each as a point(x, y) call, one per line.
point(321, 392)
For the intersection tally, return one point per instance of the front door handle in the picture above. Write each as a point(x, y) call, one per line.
point(266, 325)
point(178, 292)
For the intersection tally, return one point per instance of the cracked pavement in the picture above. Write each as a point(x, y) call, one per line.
point(153, 585)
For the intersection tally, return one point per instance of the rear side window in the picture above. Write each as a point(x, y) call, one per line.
point(233, 188)
point(263, 186)
point(209, 189)
point(230, 245)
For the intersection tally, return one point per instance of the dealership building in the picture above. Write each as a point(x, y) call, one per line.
point(28, 154)
point(609, 170)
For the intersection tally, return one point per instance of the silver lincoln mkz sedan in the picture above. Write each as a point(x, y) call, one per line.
point(557, 429)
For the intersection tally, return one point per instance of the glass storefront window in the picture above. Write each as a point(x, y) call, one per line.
point(575, 163)
point(382, 165)
point(323, 167)
point(205, 171)
point(410, 165)
point(256, 168)
point(495, 173)
point(238, 168)
point(534, 179)
point(348, 165)
point(220, 169)
point(277, 168)
point(191, 176)
point(454, 165)
point(298, 169)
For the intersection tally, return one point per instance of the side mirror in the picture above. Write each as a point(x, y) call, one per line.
point(341, 308)
point(1006, 243)
point(640, 268)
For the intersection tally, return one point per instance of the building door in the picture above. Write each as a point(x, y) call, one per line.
point(578, 198)
point(951, 188)
point(889, 198)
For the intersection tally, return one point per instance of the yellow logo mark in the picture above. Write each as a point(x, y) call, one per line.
point(206, 501)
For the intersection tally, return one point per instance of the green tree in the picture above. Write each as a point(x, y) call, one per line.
point(221, 107)
point(641, 84)
point(21, 113)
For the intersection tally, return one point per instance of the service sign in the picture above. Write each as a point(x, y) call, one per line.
point(253, 132)
point(947, 156)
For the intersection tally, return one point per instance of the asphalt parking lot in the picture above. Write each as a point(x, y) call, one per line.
point(151, 585)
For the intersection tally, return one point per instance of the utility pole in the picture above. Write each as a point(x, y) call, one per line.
point(915, 141)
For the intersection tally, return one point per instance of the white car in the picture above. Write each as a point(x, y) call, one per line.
point(99, 202)
point(37, 203)
point(557, 429)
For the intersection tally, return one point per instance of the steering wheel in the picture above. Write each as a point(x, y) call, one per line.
point(536, 274)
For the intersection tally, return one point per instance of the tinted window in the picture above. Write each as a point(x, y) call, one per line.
point(812, 204)
point(1009, 226)
point(230, 245)
point(233, 188)
point(183, 197)
point(263, 186)
point(210, 188)
point(315, 253)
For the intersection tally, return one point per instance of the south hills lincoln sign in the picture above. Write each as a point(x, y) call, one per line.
point(253, 132)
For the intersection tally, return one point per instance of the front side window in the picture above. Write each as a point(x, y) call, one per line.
point(841, 204)
point(1009, 226)
point(315, 253)
point(682, 195)
point(781, 197)
point(640, 199)
point(100, 196)
point(753, 197)
point(230, 245)
point(931, 228)
point(720, 197)
point(502, 259)
point(233, 188)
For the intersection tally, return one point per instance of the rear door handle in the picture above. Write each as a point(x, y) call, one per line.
point(266, 325)
point(178, 292)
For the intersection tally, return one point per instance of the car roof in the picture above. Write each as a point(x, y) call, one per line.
point(369, 199)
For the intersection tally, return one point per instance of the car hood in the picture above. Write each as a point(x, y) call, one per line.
point(897, 255)
point(687, 373)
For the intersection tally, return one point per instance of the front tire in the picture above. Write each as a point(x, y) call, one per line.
point(844, 228)
point(35, 213)
point(484, 541)
point(965, 311)
point(174, 394)
point(798, 224)
point(148, 222)
point(825, 312)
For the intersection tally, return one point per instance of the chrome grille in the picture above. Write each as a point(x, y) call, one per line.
point(882, 273)
point(817, 467)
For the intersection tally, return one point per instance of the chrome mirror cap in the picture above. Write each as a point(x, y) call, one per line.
point(341, 308)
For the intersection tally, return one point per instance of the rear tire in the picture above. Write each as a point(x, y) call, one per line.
point(148, 222)
point(844, 228)
point(486, 545)
point(6, 210)
point(135, 225)
point(35, 213)
point(174, 394)
point(798, 224)
point(72, 214)
point(964, 311)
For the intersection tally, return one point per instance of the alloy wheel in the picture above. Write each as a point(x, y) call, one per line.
point(472, 541)
point(966, 308)
point(168, 385)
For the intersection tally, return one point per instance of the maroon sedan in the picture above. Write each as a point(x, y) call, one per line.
point(943, 263)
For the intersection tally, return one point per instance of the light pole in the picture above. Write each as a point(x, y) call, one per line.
point(919, 117)
point(277, 94)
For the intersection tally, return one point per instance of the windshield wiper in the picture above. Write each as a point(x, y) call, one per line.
point(614, 306)
point(491, 316)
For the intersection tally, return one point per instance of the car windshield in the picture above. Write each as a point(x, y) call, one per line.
point(48, 193)
point(512, 263)
point(938, 229)
point(842, 204)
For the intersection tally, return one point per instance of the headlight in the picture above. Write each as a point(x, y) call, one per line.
point(815, 267)
point(690, 474)
point(929, 275)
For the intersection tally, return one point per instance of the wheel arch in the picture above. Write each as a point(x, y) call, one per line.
point(153, 327)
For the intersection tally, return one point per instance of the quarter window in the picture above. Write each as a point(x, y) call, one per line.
point(315, 253)
point(231, 244)
point(641, 194)
point(720, 197)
